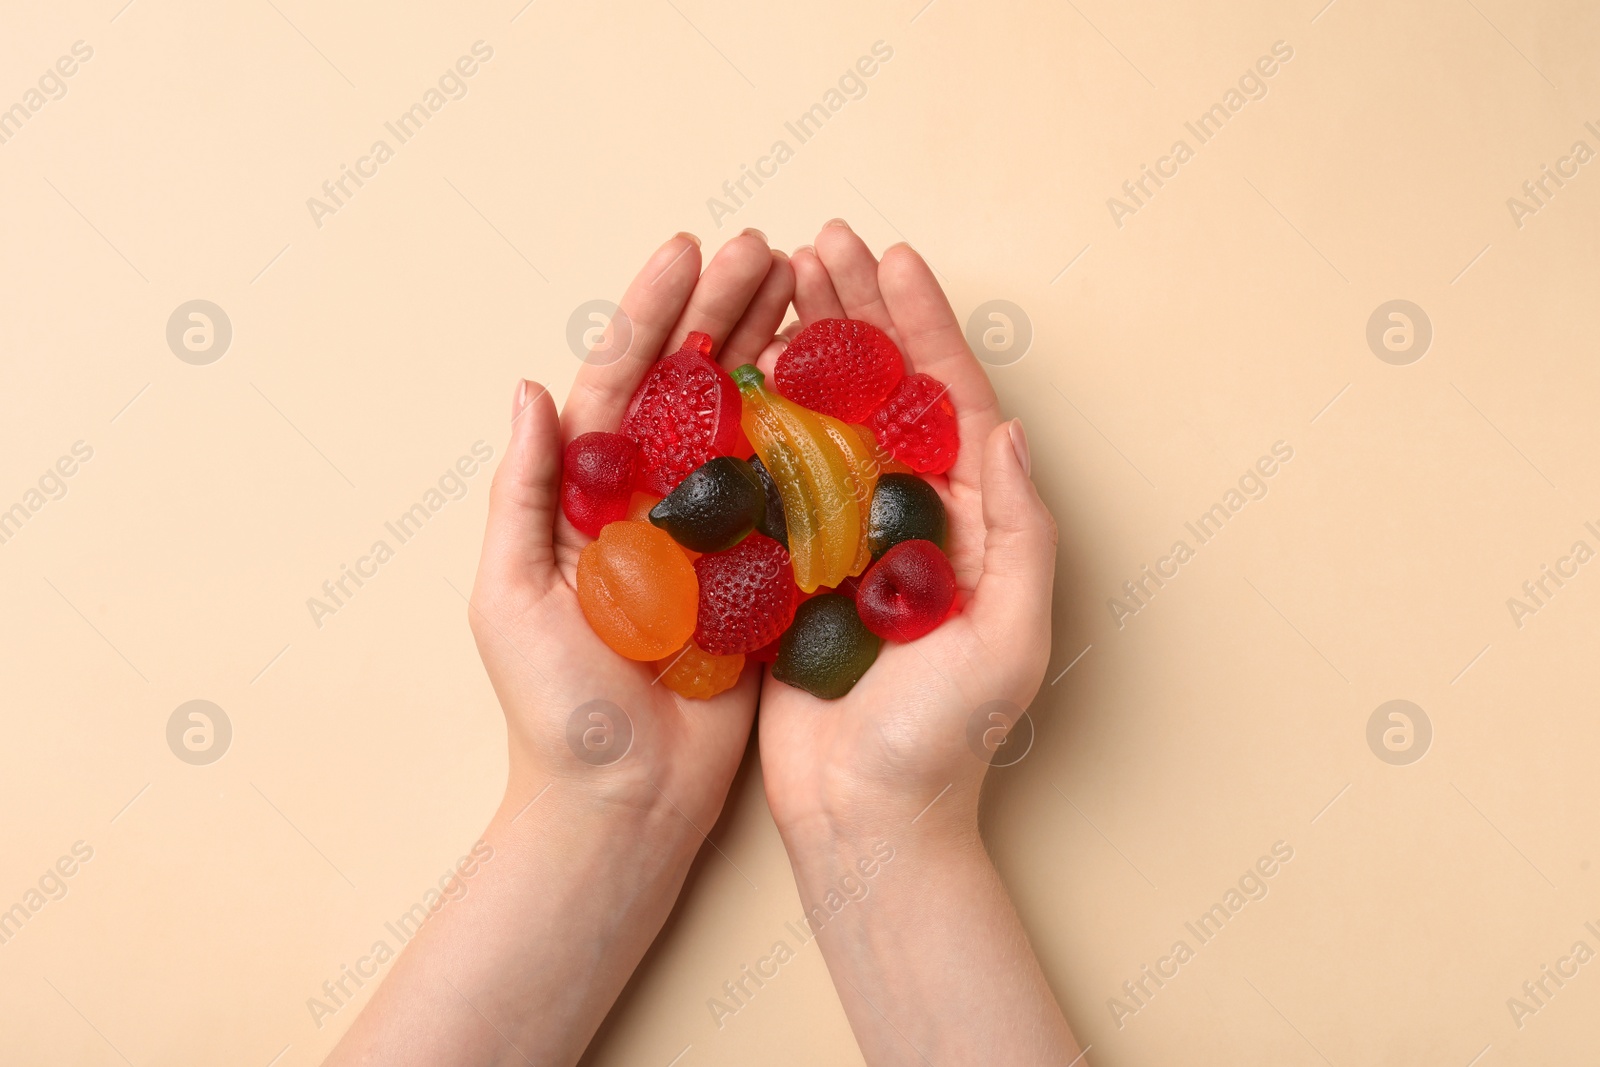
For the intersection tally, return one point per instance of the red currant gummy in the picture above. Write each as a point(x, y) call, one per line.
point(597, 480)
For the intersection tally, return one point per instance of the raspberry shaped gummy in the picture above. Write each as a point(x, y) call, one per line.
point(597, 480)
point(840, 367)
point(747, 596)
point(917, 424)
point(685, 412)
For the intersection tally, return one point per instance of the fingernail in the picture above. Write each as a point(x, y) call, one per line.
point(687, 236)
point(780, 253)
point(1019, 445)
point(899, 244)
point(751, 231)
point(836, 222)
point(520, 400)
point(805, 248)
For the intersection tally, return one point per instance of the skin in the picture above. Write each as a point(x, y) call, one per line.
point(932, 965)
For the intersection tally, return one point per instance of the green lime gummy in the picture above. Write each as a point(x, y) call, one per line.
point(826, 649)
point(904, 508)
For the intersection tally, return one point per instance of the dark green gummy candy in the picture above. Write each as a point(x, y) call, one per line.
point(714, 507)
point(826, 649)
point(904, 508)
point(772, 523)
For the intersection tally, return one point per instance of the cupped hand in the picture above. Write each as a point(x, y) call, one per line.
point(542, 656)
point(903, 738)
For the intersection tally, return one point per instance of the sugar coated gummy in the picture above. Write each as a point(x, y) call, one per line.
point(747, 596)
point(827, 649)
point(840, 367)
point(908, 592)
point(597, 480)
point(694, 672)
point(719, 502)
point(917, 424)
point(638, 590)
point(684, 412)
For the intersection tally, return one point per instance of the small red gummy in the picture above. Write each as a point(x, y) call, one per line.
point(840, 367)
point(597, 480)
point(685, 412)
point(747, 596)
point(908, 592)
point(917, 424)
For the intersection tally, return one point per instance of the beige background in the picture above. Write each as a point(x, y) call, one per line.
point(1225, 315)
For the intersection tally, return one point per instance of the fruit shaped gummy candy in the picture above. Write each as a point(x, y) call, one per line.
point(597, 480)
point(904, 508)
point(862, 479)
point(840, 367)
point(638, 590)
point(747, 596)
point(882, 458)
point(684, 412)
point(714, 507)
point(908, 592)
point(827, 649)
point(693, 672)
point(639, 506)
point(918, 424)
point(771, 523)
point(819, 507)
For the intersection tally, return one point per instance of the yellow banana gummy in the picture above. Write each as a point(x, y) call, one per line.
point(814, 479)
point(862, 480)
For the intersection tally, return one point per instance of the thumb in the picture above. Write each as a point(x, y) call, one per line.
point(518, 541)
point(1011, 603)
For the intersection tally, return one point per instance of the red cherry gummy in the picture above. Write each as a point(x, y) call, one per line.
point(597, 480)
point(747, 596)
point(840, 367)
point(917, 424)
point(908, 592)
point(685, 412)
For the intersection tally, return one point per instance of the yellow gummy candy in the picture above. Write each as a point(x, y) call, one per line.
point(863, 478)
point(808, 466)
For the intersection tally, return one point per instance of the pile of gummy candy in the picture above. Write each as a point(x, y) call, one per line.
point(785, 525)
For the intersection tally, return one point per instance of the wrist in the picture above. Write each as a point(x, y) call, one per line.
point(599, 816)
point(830, 832)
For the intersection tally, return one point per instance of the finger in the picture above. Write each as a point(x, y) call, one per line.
point(761, 318)
point(933, 344)
point(767, 362)
point(854, 271)
point(1012, 597)
point(523, 497)
point(650, 308)
point(814, 295)
point(725, 290)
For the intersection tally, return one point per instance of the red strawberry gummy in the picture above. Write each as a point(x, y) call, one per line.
point(917, 424)
point(908, 592)
point(684, 412)
point(597, 480)
point(747, 596)
point(840, 367)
